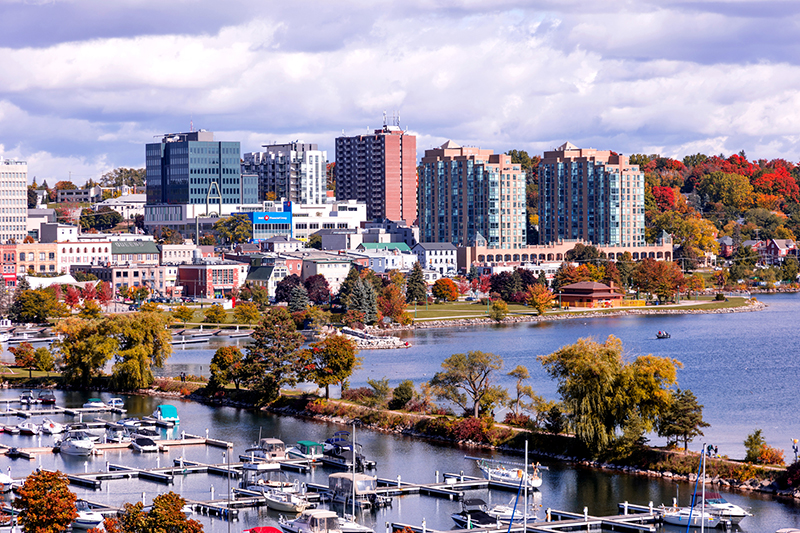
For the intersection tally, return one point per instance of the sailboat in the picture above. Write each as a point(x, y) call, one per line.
point(692, 516)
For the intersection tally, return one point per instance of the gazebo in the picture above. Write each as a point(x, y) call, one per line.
point(589, 294)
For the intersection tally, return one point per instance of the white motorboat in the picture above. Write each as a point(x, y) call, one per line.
point(6, 482)
point(312, 521)
point(505, 513)
point(285, 501)
point(719, 506)
point(355, 489)
point(117, 405)
point(144, 445)
point(76, 446)
point(29, 428)
point(28, 398)
point(166, 414)
point(349, 525)
point(341, 452)
point(117, 434)
point(95, 403)
point(87, 519)
point(5, 337)
point(269, 449)
point(50, 427)
point(306, 449)
point(11, 430)
point(683, 516)
point(497, 471)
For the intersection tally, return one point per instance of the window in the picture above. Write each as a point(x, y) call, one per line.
point(42, 255)
point(52, 256)
point(22, 256)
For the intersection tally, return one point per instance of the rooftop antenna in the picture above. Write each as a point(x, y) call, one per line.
point(384, 119)
point(191, 124)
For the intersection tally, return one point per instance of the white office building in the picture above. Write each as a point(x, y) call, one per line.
point(295, 171)
point(13, 200)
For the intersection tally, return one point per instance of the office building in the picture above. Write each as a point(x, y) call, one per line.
point(295, 171)
point(469, 196)
point(193, 168)
point(14, 203)
point(593, 195)
point(379, 169)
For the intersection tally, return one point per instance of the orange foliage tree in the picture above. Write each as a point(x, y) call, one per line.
point(45, 502)
point(445, 289)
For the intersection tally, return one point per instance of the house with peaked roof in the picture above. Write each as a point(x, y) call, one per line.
point(439, 256)
point(589, 294)
point(726, 247)
point(776, 250)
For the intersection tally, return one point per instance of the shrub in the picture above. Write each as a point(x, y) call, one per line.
point(353, 319)
point(719, 297)
point(753, 444)
point(474, 429)
point(770, 456)
point(362, 395)
point(402, 394)
point(406, 319)
point(519, 420)
point(791, 478)
point(185, 392)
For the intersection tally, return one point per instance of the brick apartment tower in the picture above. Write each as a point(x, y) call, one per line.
point(469, 196)
point(380, 170)
point(594, 195)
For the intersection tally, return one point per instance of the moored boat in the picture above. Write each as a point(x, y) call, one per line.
point(497, 471)
point(50, 427)
point(117, 405)
point(356, 489)
point(716, 505)
point(87, 519)
point(95, 403)
point(306, 449)
point(28, 398)
point(270, 449)
point(312, 521)
point(341, 452)
point(76, 446)
point(47, 397)
point(286, 502)
point(144, 445)
point(683, 516)
point(29, 428)
point(473, 514)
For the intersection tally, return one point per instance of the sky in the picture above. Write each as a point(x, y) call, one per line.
point(84, 84)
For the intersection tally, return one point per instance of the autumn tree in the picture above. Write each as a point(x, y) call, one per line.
point(183, 313)
point(416, 287)
point(392, 303)
point(165, 516)
point(24, 356)
point(234, 229)
point(131, 177)
point(105, 293)
point(144, 342)
point(332, 361)
point(32, 306)
point(318, 289)
point(89, 292)
point(603, 394)
point(273, 358)
point(683, 420)
point(507, 285)
point(83, 348)
point(662, 278)
point(539, 297)
point(90, 310)
point(72, 297)
point(227, 365)
point(283, 289)
point(498, 311)
point(468, 380)
point(44, 360)
point(245, 312)
point(445, 289)
point(215, 315)
point(45, 503)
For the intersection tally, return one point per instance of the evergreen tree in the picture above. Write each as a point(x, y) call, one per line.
point(416, 288)
point(298, 299)
point(346, 288)
point(473, 273)
point(542, 280)
point(363, 299)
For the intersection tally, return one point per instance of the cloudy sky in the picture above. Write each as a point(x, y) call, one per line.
point(84, 84)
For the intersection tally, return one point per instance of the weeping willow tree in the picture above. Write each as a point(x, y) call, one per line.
point(144, 343)
point(605, 395)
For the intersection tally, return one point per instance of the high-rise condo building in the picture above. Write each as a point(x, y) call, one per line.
point(193, 168)
point(594, 195)
point(471, 197)
point(379, 169)
point(295, 171)
point(14, 203)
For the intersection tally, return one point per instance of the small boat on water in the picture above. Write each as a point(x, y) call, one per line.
point(312, 521)
point(29, 428)
point(6, 482)
point(47, 397)
point(166, 413)
point(683, 516)
point(473, 514)
point(270, 449)
point(28, 398)
point(718, 506)
point(51, 427)
point(497, 471)
point(117, 405)
point(76, 446)
point(144, 445)
point(306, 449)
point(286, 502)
point(95, 403)
point(341, 452)
point(87, 518)
point(262, 476)
point(505, 513)
point(663, 335)
point(11, 430)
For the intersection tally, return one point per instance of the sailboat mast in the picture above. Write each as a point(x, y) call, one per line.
point(703, 500)
point(525, 508)
point(354, 471)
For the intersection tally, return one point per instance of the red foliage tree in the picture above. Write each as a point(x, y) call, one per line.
point(72, 297)
point(55, 288)
point(665, 198)
point(105, 293)
point(89, 292)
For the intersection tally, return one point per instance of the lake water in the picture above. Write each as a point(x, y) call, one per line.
point(741, 366)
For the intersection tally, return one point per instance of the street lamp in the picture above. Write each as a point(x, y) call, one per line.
point(794, 449)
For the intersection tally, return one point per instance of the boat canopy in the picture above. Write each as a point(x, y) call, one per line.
point(320, 521)
point(271, 445)
point(167, 412)
point(343, 482)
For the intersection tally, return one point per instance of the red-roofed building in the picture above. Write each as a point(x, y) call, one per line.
point(589, 294)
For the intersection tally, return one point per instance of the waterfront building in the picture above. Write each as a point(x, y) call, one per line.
point(295, 171)
point(469, 196)
point(593, 195)
point(193, 168)
point(439, 256)
point(380, 170)
point(14, 205)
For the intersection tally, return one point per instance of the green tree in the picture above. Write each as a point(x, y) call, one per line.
point(245, 312)
point(315, 241)
point(445, 289)
point(131, 177)
point(363, 300)
point(183, 313)
point(498, 311)
point(273, 358)
point(227, 365)
point(144, 342)
point(380, 391)
point(24, 356)
point(521, 374)
point(539, 297)
point(416, 287)
point(83, 349)
point(333, 360)
point(402, 394)
point(602, 393)
point(215, 315)
point(683, 419)
point(468, 380)
point(45, 503)
point(732, 190)
point(347, 286)
point(753, 445)
point(790, 269)
point(298, 299)
point(32, 306)
point(234, 229)
point(744, 262)
point(165, 516)
point(44, 360)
